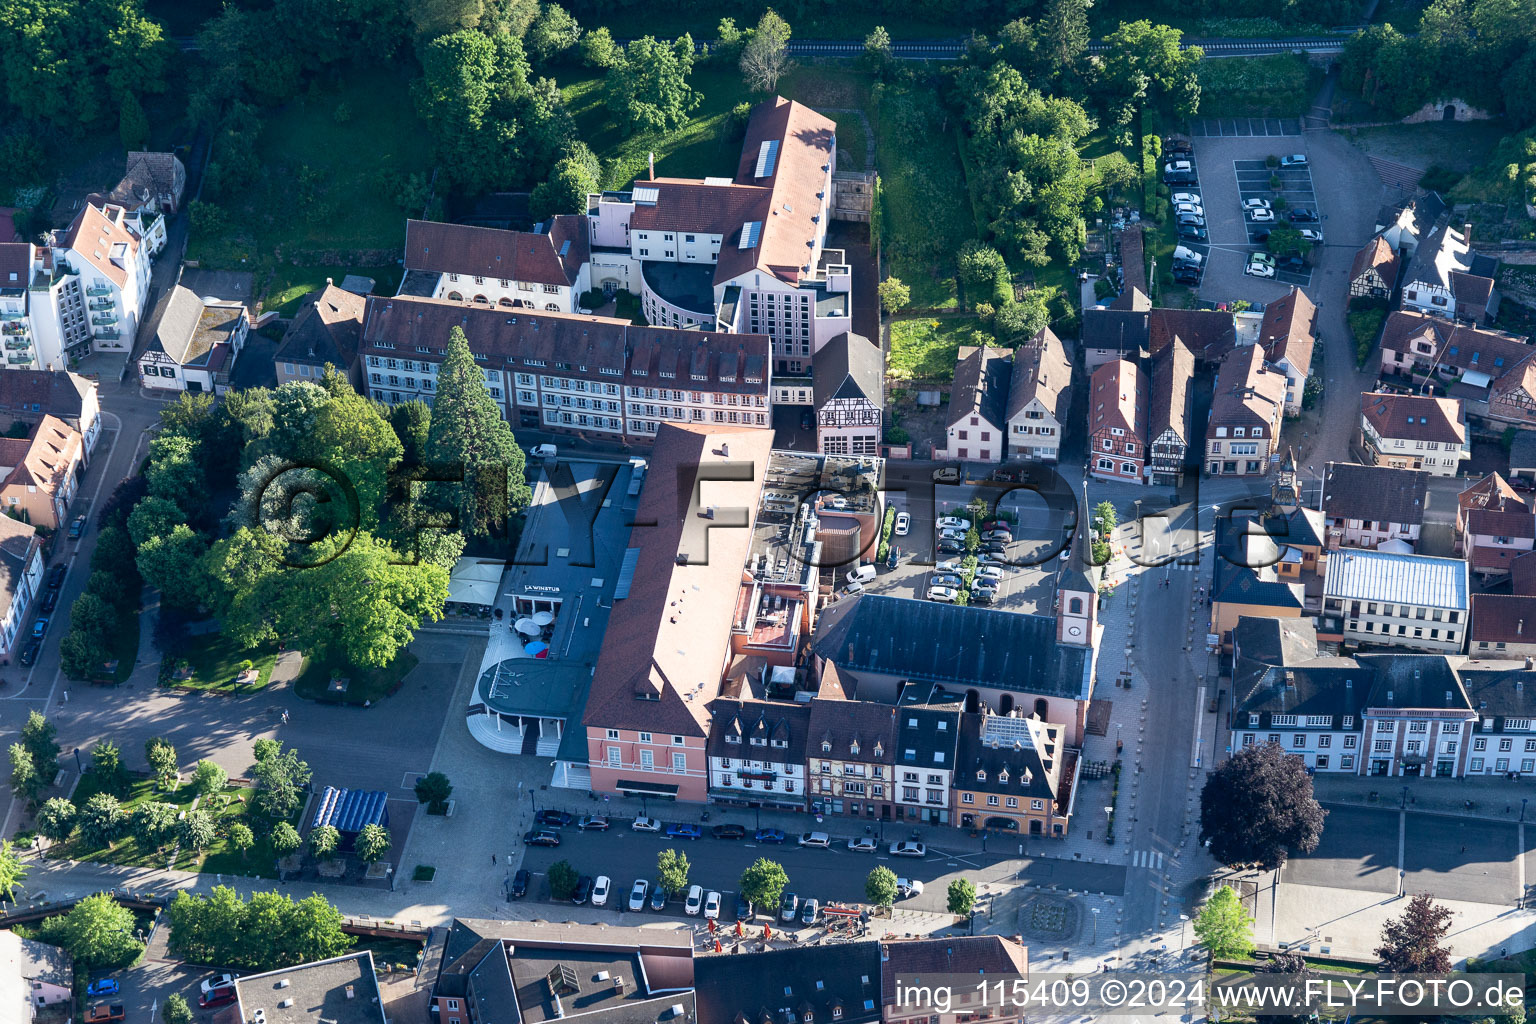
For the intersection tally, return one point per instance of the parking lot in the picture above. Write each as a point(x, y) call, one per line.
point(1243, 127)
point(1253, 181)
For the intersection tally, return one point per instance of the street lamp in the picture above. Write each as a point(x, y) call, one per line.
point(1183, 920)
point(1095, 911)
point(1522, 805)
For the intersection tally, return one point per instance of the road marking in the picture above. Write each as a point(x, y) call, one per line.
point(1152, 859)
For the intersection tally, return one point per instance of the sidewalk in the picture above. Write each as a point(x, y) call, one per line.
point(1492, 798)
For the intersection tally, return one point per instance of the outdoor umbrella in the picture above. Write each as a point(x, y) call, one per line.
point(537, 648)
point(543, 618)
point(527, 627)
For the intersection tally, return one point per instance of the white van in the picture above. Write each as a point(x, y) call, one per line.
point(863, 574)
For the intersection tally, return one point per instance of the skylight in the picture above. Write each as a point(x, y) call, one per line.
point(751, 231)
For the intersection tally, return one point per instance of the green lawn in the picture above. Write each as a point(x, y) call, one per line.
point(215, 661)
point(1281, 85)
point(924, 348)
point(125, 851)
point(346, 158)
point(364, 684)
point(288, 283)
point(228, 808)
point(704, 146)
point(852, 142)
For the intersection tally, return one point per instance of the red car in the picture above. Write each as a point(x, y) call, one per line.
point(217, 997)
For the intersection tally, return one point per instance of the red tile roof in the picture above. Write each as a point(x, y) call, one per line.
point(1248, 393)
point(667, 642)
point(1377, 253)
point(1117, 397)
point(1503, 618)
point(1286, 330)
point(438, 248)
point(94, 234)
point(1491, 522)
point(1209, 333)
point(1414, 417)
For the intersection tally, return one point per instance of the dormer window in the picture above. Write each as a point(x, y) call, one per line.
point(826, 747)
point(837, 1013)
point(879, 748)
point(853, 748)
point(981, 775)
point(732, 738)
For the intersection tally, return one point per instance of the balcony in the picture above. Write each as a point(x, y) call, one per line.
point(13, 330)
point(98, 289)
point(102, 302)
point(109, 334)
point(19, 358)
point(104, 319)
point(7, 315)
point(17, 344)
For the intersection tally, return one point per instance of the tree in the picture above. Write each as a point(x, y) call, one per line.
point(1288, 964)
point(154, 823)
point(107, 766)
point(962, 896)
point(175, 471)
point(197, 830)
point(323, 842)
point(265, 749)
point(372, 843)
point(877, 51)
point(552, 33)
point(563, 880)
point(208, 779)
point(163, 765)
point(880, 886)
point(132, 123)
point(1284, 239)
point(172, 565)
point(56, 819)
point(672, 870)
point(101, 820)
point(241, 838)
point(598, 50)
point(468, 430)
point(279, 780)
point(1105, 518)
point(1063, 33)
point(763, 883)
point(285, 839)
point(1016, 321)
point(647, 87)
point(85, 648)
point(269, 931)
point(1144, 65)
point(894, 294)
point(38, 737)
point(576, 176)
point(1224, 926)
point(1411, 944)
point(12, 871)
point(434, 789)
point(176, 1010)
point(98, 932)
point(25, 782)
point(765, 58)
point(980, 267)
point(1258, 806)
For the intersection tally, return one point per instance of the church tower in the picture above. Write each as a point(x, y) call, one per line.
point(1077, 592)
point(1285, 492)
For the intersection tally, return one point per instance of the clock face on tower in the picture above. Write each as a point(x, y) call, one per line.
point(1074, 630)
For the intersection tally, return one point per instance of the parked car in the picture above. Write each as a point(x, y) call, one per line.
point(1178, 167)
point(216, 997)
point(583, 890)
point(995, 547)
point(1186, 197)
point(1291, 261)
point(944, 579)
point(1257, 204)
point(1259, 235)
point(1184, 254)
point(601, 888)
point(744, 909)
point(998, 535)
point(56, 576)
point(863, 844)
point(1262, 216)
point(903, 524)
point(1180, 178)
point(695, 901)
point(40, 627)
point(950, 547)
point(1186, 275)
point(637, 894)
point(983, 595)
point(1259, 268)
point(908, 848)
point(947, 475)
point(788, 904)
point(101, 1013)
point(863, 574)
point(77, 528)
point(103, 987)
point(593, 823)
point(1194, 208)
point(1190, 220)
point(683, 830)
point(947, 594)
point(906, 888)
point(994, 572)
point(1294, 160)
point(29, 652)
point(554, 819)
point(1175, 145)
point(819, 840)
point(1312, 235)
point(543, 451)
point(729, 831)
point(809, 912)
point(658, 897)
point(1301, 214)
point(520, 883)
point(644, 824)
point(1193, 233)
point(985, 583)
point(768, 835)
point(542, 837)
point(953, 523)
point(711, 906)
point(50, 599)
point(951, 565)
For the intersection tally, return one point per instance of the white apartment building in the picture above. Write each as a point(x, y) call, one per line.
point(21, 580)
point(489, 267)
point(103, 251)
point(1414, 432)
point(757, 752)
point(586, 375)
point(1417, 601)
point(1038, 396)
point(744, 254)
point(926, 742)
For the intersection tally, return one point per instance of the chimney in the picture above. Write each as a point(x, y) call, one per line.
point(327, 282)
point(650, 159)
point(1466, 234)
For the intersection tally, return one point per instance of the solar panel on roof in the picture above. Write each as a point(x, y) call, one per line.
point(565, 248)
point(767, 158)
point(751, 231)
point(646, 195)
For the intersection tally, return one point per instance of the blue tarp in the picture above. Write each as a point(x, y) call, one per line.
point(351, 809)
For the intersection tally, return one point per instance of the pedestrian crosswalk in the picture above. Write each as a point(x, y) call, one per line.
point(1147, 859)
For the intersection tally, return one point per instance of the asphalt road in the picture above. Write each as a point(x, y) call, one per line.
point(833, 874)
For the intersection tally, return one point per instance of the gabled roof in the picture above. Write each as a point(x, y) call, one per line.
point(666, 642)
point(953, 645)
point(1125, 331)
point(1117, 398)
point(1013, 755)
point(1491, 522)
point(849, 366)
point(1172, 372)
point(1209, 333)
point(1133, 262)
point(1041, 372)
point(15, 266)
point(1132, 299)
point(1415, 417)
point(17, 542)
point(950, 954)
point(1503, 619)
point(464, 249)
point(982, 374)
point(1245, 567)
point(1286, 330)
point(1379, 255)
point(188, 329)
point(772, 720)
point(1375, 493)
point(44, 459)
point(56, 392)
point(1248, 392)
point(326, 330)
point(102, 237)
point(1456, 344)
point(926, 737)
point(1363, 575)
point(791, 986)
point(837, 727)
point(1416, 681)
point(1492, 491)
